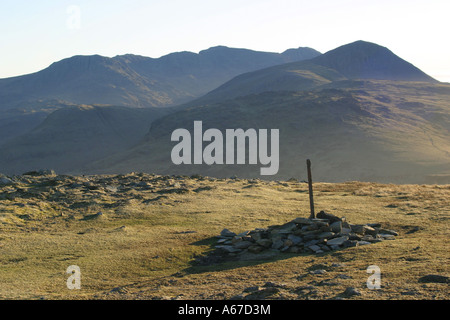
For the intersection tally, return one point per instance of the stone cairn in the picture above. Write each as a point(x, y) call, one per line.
point(324, 233)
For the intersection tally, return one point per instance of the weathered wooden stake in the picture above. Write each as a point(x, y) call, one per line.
point(311, 199)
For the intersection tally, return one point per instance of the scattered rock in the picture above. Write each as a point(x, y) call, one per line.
point(319, 271)
point(409, 293)
point(343, 276)
point(93, 216)
point(119, 290)
point(337, 265)
point(350, 292)
point(5, 181)
point(262, 293)
point(434, 278)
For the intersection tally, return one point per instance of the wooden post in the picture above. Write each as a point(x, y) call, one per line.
point(311, 199)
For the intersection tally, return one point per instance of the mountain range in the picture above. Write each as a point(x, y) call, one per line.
point(359, 112)
point(137, 81)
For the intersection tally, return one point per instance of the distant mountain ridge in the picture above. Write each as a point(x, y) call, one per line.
point(359, 112)
point(392, 128)
point(138, 81)
point(357, 60)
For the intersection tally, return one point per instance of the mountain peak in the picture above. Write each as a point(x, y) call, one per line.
point(300, 53)
point(367, 60)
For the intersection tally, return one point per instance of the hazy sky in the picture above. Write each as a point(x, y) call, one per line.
point(36, 33)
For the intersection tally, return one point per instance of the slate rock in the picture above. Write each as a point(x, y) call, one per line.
point(390, 232)
point(350, 243)
point(267, 243)
point(325, 235)
point(242, 244)
point(295, 239)
point(278, 244)
point(227, 233)
point(327, 216)
point(357, 228)
point(337, 241)
point(303, 221)
point(370, 230)
point(387, 236)
point(314, 248)
point(336, 227)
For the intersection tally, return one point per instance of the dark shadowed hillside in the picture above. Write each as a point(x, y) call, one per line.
point(72, 137)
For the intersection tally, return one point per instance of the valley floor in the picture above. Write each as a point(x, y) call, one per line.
point(138, 236)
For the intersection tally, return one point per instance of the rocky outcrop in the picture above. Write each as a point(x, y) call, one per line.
point(301, 235)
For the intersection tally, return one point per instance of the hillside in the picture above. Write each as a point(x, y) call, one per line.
point(365, 60)
point(74, 136)
point(27, 116)
point(357, 60)
point(366, 130)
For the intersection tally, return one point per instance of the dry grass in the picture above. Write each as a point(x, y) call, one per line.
point(145, 241)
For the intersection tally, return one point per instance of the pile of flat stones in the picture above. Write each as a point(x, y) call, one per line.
point(324, 233)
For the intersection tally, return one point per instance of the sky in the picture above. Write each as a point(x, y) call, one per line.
point(34, 34)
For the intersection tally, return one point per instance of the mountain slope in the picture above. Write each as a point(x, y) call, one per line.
point(357, 60)
point(365, 60)
point(140, 81)
point(370, 130)
point(26, 116)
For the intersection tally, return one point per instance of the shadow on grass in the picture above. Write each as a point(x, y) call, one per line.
point(218, 260)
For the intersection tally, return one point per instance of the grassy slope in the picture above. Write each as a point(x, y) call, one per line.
point(139, 245)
